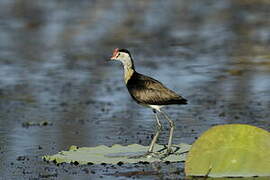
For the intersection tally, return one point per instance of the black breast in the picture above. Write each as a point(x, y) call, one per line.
point(148, 91)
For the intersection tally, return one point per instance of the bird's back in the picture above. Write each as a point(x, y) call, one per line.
point(148, 91)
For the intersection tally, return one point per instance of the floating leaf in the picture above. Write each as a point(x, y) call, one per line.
point(113, 155)
point(230, 151)
point(228, 178)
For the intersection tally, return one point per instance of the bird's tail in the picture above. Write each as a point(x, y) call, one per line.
point(182, 101)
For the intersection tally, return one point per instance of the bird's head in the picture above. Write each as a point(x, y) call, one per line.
point(122, 55)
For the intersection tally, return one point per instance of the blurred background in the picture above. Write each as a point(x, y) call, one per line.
point(53, 68)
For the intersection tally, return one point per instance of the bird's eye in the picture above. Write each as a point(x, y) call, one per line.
point(118, 55)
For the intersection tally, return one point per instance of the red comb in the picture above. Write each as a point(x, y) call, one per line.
point(115, 52)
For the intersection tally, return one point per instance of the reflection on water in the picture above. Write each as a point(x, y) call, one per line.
point(53, 68)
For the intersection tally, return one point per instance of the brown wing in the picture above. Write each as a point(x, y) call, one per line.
point(146, 90)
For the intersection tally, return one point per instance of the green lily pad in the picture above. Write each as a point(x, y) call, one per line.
point(228, 178)
point(234, 150)
point(114, 154)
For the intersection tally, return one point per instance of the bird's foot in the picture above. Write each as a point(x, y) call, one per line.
point(146, 155)
point(167, 151)
point(160, 154)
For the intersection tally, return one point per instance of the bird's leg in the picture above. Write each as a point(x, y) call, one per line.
point(150, 152)
point(169, 148)
point(159, 129)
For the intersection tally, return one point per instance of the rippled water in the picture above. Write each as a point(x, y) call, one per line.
point(53, 68)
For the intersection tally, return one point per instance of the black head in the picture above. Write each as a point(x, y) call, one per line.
point(117, 52)
point(125, 51)
point(122, 55)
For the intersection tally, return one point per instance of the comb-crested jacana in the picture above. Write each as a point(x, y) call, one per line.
point(148, 92)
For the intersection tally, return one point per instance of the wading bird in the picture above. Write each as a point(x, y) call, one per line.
point(148, 92)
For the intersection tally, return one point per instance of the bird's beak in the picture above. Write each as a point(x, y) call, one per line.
point(115, 52)
point(113, 58)
point(110, 58)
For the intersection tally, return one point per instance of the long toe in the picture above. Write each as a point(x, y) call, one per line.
point(143, 155)
point(156, 155)
point(169, 151)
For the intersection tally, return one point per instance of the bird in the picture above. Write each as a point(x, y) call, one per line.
point(148, 92)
